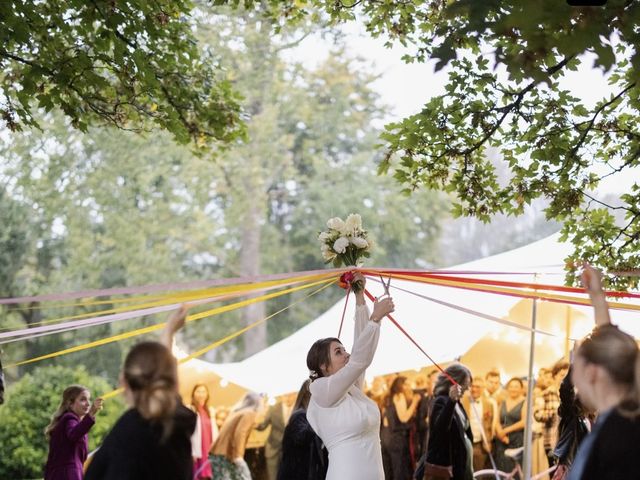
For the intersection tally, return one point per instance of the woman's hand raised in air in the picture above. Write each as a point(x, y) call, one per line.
point(592, 283)
point(382, 308)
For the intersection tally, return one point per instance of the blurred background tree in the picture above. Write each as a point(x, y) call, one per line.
point(30, 403)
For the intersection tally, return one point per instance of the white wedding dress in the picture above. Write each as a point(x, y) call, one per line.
point(346, 420)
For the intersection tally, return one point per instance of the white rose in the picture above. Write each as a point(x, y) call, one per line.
point(341, 245)
point(328, 255)
point(370, 242)
point(359, 242)
point(336, 223)
point(353, 223)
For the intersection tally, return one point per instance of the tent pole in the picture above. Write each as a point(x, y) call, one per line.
point(567, 345)
point(528, 431)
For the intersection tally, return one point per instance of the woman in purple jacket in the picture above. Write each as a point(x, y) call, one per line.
point(67, 434)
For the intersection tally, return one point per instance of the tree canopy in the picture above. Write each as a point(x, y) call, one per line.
point(133, 64)
point(506, 61)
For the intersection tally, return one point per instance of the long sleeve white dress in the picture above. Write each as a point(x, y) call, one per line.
point(346, 420)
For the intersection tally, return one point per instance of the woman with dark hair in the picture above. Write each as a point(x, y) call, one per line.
point(303, 455)
point(450, 441)
point(228, 451)
point(396, 416)
point(206, 431)
point(510, 428)
point(151, 440)
point(347, 421)
point(67, 434)
point(606, 373)
point(573, 428)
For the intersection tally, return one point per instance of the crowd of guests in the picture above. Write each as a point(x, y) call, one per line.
point(446, 425)
point(496, 415)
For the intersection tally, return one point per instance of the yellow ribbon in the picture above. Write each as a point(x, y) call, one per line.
point(190, 318)
point(231, 336)
point(234, 290)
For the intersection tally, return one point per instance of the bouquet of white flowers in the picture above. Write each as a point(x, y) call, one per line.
point(345, 242)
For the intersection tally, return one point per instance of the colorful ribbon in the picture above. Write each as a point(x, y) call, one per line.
point(233, 335)
point(152, 328)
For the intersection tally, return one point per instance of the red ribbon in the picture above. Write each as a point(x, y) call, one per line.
point(404, 332)
point(496, 283)
point(344, 310)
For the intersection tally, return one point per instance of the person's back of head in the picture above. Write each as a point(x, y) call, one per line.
point(151, 375)
point(250, 401)
point(560, 368)
point(617, 353)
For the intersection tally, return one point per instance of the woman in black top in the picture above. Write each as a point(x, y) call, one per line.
point(152, 440)
point(303, 455)
point(395, 429)
point(450, 442)
point(573, 428)
point(606, 373)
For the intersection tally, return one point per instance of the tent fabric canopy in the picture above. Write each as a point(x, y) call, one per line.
point(443, 332)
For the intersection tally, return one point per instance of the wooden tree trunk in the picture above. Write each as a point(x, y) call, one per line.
point(250, 259)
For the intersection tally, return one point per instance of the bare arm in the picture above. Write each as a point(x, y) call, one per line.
point(405, 413)
point(176, 322)
point(592, 283)
point(519, 425)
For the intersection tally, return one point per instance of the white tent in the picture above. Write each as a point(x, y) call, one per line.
point(443, 332)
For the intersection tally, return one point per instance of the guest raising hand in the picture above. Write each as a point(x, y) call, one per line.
point(151, 440)
point(606, 373)
point(67, 434)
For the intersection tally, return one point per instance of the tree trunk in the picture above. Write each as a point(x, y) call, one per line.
point(256, 338)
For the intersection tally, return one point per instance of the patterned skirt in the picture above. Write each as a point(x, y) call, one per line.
point(224, 469)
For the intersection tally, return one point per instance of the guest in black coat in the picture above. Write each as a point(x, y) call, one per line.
point(606, 373)
point(303, 455)
point(151, 440)
point(450, 442)
point(573, 428)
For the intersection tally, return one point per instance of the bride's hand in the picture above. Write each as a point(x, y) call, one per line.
point(382, 308)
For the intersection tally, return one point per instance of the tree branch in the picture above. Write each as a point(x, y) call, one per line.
point(297, 42)
point(507, 109)
point(582, 138)
point(606, 205)
point(31, 63)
